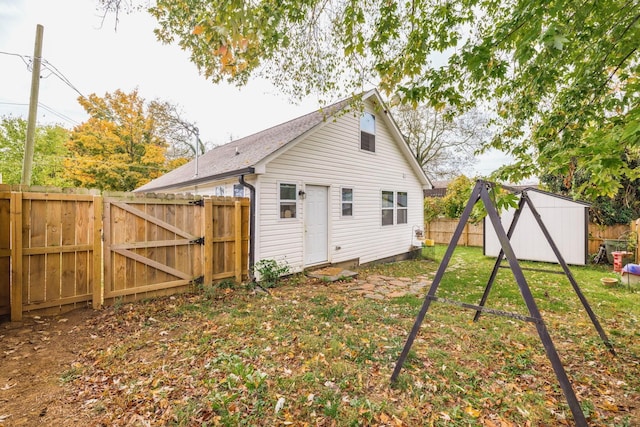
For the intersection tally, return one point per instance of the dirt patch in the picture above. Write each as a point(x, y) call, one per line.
point(332, 274)
point(35, 355)
point(328, 271)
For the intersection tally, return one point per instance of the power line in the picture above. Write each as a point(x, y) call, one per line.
point(13, 103)
point(54, 70)
point(13, 110)
point(23, 57)
point(46, 107)
point(60, 75)
point(49, 66)
point(58, 114)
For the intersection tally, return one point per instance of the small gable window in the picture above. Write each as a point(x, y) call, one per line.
point(347, 201)
point(368, 132)
point(287, 202)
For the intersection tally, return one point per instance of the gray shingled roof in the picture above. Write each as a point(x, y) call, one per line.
point(238, 156)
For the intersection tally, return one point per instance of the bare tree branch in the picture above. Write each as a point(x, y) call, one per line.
point(442, 143)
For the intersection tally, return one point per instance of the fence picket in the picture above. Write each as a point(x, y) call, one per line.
point(5, 249)
point(16, 257)
point(97, 284)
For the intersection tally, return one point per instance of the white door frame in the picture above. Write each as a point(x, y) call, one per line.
point(316, 224)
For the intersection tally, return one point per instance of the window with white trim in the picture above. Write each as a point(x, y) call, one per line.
point(387, 208)
point(287, 200)
point(394, 207)
point(401, 207)
point(219, 191)
point(347, 201)
point(368, 132)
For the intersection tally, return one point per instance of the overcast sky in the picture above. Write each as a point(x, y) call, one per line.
point(99, 60)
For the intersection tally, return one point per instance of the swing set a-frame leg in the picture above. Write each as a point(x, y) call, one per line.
point(496, 266)
point(466, 214)
point(569, 275)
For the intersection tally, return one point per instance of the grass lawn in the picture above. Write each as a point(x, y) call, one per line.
point(317, 354)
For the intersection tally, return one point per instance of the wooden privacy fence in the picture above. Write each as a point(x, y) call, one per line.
point(441, 231)
point(598, 234)
point(63, 250)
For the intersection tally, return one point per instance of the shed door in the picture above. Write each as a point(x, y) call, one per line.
point(316, 225)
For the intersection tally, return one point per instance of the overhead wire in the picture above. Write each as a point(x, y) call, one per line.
point(45, 107)
point(58, 114)
point(53, 70)
point(46, 65)
point(56, 72)
point(13, 103)
point(28, 64)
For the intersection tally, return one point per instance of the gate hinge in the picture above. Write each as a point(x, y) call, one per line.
point(199, 241)
point(197, 280)
point(199, 202)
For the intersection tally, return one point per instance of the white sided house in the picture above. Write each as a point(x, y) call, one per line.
point(333, 186)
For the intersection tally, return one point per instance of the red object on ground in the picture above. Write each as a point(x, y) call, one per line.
point(617, 260)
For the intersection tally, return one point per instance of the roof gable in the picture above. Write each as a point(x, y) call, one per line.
point(558, 196)
point(243, 155)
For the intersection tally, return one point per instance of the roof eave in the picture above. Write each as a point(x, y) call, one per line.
point(199, 180)
point(547, 193)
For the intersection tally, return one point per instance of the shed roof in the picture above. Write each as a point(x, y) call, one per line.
point(520, 189)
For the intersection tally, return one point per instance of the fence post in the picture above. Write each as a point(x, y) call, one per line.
point(636, 226)
point(16, 256)
point(98, 285)
point(208, 241)
point(238, 240)
point(466, 234)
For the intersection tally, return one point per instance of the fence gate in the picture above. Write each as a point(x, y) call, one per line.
point(151, 245)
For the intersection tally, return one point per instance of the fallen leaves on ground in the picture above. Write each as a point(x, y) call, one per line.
point(315, 354)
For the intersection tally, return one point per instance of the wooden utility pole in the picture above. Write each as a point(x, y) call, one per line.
point(33, 108)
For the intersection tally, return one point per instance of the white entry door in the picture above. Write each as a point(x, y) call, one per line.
point(316, 224)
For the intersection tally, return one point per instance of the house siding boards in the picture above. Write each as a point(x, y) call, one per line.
point(331, 157)
point(566, 220)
